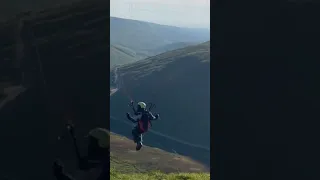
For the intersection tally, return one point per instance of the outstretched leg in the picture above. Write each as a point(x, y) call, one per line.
point(139, 142)
point(135, 134)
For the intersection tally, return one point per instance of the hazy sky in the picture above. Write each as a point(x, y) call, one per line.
point(183, 13)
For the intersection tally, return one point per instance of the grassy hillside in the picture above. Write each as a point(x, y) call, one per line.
point(121, 55)
point(178, 83)
point(149, 39)
point(171, 47)
point(151, 163)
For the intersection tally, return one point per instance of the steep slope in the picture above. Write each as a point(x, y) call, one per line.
point(148, 39)
point(178, 83)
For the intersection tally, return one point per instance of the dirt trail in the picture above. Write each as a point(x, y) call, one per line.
point(112, 91)
point(116, 76)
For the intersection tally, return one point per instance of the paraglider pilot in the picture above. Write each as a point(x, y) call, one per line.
point(143, 120)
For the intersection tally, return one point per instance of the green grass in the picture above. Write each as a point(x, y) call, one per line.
point(157, 175)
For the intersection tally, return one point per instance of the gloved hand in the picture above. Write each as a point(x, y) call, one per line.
point(57, 168)
point(128, 116)
point(131, 104)
point(157, 116)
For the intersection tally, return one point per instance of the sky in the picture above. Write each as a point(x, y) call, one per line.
point(182, 13)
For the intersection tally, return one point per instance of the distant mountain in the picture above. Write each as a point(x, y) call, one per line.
point(139, 35)
point(178, 82)
point(148, 39)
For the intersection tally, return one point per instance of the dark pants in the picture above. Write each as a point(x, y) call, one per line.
point(137, 135)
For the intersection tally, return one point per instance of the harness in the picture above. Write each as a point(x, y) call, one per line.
point(141, 128)
point(140, 123)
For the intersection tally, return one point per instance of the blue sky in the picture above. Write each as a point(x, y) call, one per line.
point(182, 13)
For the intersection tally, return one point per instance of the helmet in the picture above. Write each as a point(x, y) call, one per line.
point(102, 136)
point(142, 105)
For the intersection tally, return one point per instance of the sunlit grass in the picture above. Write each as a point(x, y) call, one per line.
point(156, 175)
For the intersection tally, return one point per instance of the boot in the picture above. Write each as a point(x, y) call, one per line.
point(139, 146)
